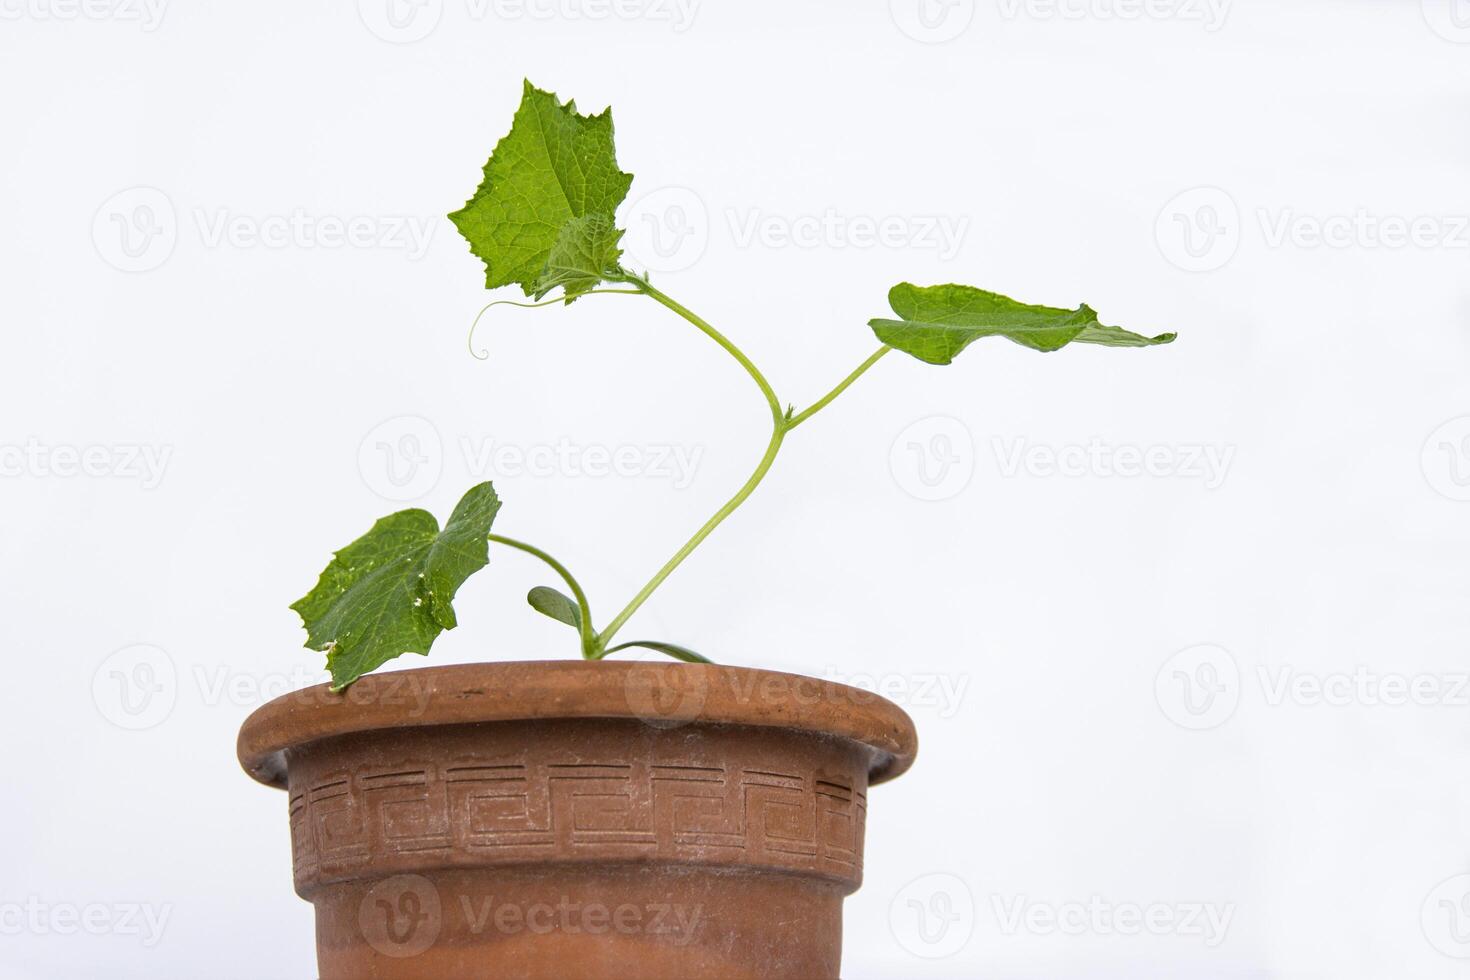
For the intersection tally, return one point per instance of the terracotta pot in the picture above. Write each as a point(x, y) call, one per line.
point(574, 819)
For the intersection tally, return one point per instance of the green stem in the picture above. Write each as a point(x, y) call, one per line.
point(821, 403)
point(704, 532)
point(775, 403)
point(781, 424)
point(778, 433)
point(589, 637)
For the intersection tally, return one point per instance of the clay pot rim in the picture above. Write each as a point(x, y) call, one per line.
point(535, 690)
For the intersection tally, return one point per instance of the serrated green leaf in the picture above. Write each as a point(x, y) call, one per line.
point(552, 167)
point(584, 255)
point(391, 591)
point(668, 649)
point(549, 602)
point(937, 322)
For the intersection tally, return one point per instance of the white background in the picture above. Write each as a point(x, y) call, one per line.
point(1114, 647)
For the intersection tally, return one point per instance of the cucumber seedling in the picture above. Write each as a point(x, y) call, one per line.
point(544, 219)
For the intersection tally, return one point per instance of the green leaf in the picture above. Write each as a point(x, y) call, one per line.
point(584, 255)
point(670, 649)
point(937, 322)
point(559, 607)
point(554, 166)
point(390, 592)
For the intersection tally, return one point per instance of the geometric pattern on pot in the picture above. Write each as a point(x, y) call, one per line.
point(491, 810)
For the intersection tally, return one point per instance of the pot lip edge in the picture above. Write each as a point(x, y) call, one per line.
point(312, 713)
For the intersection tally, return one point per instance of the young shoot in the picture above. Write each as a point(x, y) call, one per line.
point(544, 219)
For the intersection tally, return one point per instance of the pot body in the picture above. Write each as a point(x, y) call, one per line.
point(441, 842)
